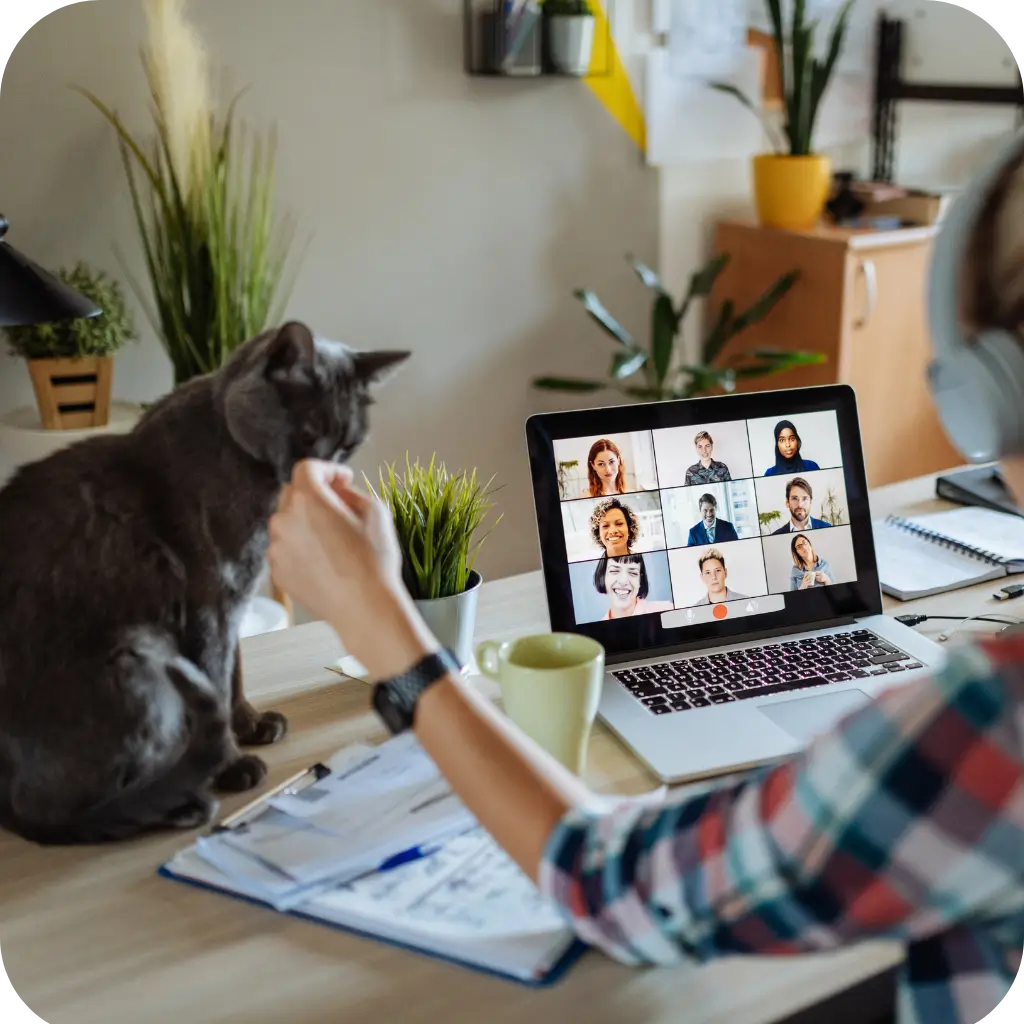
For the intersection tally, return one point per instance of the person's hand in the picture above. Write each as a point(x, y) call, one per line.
point(822, 578)
point(334, 550)
point(808, 580)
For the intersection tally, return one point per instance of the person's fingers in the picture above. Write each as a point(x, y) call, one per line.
point(357, 501)
point(313, 474)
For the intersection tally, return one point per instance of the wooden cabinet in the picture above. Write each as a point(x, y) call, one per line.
point(860, 300)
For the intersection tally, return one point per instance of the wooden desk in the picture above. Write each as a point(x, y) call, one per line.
point(93, 935)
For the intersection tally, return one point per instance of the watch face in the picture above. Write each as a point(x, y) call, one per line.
point(389, 712)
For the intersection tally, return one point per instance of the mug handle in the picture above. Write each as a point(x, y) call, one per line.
point(487, 659)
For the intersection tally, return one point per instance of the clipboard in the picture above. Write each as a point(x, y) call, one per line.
point(536, 954)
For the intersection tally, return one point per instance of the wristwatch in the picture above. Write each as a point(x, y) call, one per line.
point(395, 699)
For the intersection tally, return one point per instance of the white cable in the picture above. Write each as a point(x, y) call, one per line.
point(947, 634)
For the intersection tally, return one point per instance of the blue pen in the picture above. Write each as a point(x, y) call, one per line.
point(407, 857)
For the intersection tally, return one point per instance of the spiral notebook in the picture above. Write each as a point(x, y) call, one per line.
point(930, 554)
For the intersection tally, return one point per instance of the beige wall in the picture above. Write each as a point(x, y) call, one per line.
point(446, 214)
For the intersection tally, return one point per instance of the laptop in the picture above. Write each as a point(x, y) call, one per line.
point(721, 551)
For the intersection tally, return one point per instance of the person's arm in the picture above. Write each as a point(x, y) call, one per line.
point(902, 824)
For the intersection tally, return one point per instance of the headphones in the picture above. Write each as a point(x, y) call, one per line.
point(976, 378)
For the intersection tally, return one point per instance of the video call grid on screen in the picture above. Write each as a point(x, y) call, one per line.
point(656, 492)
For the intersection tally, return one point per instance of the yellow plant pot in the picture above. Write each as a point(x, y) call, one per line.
point(791, 191)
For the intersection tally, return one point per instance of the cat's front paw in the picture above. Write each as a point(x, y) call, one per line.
point(197, 811)
point(245, 773)
point(255, 729)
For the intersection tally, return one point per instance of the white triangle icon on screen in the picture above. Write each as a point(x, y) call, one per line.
point(750, 607)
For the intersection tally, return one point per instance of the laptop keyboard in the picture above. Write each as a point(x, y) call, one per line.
point(762, 671)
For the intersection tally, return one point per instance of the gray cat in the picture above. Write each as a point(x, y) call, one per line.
point(125, 565)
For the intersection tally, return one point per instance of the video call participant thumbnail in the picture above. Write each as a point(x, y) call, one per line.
point(714, 575)
point(625, 582)
point(706, 470)
point(809, 568)
point(614, 527)
point(799, 494)
point(606, 470)
point(711, 529)
point(788, 449)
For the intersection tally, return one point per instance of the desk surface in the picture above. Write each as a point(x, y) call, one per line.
point(93, 935)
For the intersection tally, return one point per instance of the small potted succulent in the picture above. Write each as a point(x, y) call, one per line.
point(570, 35)
point(71, 362)
point(437, 516)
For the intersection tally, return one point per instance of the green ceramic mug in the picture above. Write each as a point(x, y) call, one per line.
point(551, 687)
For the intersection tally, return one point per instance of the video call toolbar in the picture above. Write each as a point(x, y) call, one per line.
point(704, 517)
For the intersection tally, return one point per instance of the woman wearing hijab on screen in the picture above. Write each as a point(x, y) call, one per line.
point(787, 452)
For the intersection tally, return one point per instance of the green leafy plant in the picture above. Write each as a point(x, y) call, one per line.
point(804, 78)
point(831, 511)
point(202, 197)
point(100, 335)
point(563, 474)
point(766, 519)
point(662, 380)
point(437, 517)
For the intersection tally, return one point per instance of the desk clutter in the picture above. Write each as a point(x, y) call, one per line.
point(923, 555)
point(375, 842)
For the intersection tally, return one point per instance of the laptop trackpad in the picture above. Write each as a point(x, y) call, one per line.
point(808, 717)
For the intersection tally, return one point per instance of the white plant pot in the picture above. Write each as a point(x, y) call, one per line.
point(263, 615)
point(453, 619)
point(571, 41)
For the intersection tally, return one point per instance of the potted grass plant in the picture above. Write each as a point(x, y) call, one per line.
point(438, 516)
point(570, 35)
point(202, 193)
point(71, 362)
point(792, 183)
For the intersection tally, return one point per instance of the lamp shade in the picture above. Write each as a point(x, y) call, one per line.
point(31, 295)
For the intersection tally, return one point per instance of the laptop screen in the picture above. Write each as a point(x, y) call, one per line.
point(665, 524)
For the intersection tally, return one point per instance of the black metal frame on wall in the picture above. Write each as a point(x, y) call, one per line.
point(481, 53)
point(891, 89)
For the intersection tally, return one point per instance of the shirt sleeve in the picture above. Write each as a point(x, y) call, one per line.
point(903, 821)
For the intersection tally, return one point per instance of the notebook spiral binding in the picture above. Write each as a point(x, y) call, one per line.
point(989, 557)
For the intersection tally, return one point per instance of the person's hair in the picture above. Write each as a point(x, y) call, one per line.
point(797, 560)
point(708, 556)
point(602, 569)
point(703, 436)
point(797, 461)
point(593, 480)
point(602, 508)
point(799, 481)
point(707, 499)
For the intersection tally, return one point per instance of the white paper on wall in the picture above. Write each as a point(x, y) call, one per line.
point(707, 38)
point(688, 121)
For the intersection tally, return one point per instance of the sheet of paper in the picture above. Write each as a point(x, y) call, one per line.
point(471, 888)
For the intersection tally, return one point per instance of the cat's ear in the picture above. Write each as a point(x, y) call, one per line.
point(291, 354)
point(377, 367)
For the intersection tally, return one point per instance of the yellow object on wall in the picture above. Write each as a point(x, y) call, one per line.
point(609, 81)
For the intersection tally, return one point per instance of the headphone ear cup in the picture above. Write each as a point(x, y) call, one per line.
point(978, 389)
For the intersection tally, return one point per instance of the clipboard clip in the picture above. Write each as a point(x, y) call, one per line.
point(289, 787)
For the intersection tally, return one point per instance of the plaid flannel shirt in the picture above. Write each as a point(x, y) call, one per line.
point(904, 823)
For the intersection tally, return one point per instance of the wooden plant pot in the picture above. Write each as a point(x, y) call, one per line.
point(73, 394)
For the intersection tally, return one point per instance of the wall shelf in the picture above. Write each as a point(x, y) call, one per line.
point(484, 49)
point(891, 89)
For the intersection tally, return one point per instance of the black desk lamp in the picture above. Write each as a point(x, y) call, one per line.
point(31, 295)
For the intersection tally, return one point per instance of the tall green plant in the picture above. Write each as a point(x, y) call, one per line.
point(804, 78)
point(437, 517)
point(661, 379)
point(203, 200)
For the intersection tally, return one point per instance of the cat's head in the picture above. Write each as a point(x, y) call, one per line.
point(288, 395)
